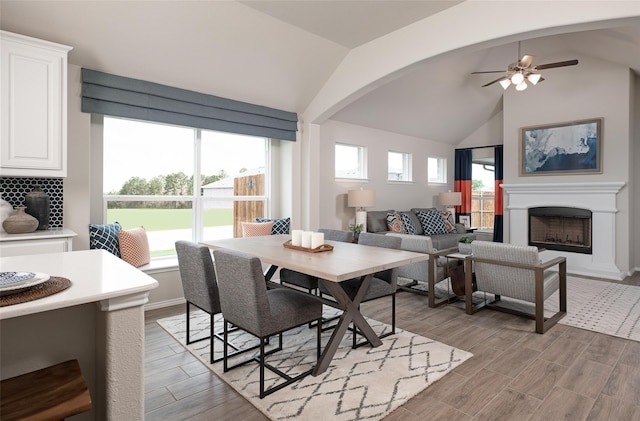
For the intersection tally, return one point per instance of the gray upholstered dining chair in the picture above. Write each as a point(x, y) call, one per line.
point(515, 271)
point(383, 284)
point(200, 289)
point(308, 282)
point(246, 303)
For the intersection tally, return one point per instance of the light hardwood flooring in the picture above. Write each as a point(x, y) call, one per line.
point(515, 374)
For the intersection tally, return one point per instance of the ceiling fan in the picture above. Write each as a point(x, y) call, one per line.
point(520, 72)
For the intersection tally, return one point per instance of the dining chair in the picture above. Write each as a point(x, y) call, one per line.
point(200, 289)
point(246, 303)
point(383, 284)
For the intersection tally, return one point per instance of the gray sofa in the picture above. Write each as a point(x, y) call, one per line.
point(377, 223)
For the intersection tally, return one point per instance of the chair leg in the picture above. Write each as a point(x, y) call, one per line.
point(211, 340)
point(262, 368)
point(188, 340)
point(319, 333)
point(225, 363)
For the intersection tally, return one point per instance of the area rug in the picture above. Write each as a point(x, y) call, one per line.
point(605, 307)
point(363, 383)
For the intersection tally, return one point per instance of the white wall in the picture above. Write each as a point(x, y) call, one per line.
point(333, 210)
point(600, 89)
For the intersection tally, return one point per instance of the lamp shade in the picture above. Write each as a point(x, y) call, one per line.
point(451, 198)
point(361, 198)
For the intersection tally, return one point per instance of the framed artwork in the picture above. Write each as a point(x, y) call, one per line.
point(573, 147)
point(465, 220)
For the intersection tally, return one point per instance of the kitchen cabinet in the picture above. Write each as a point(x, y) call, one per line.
point(38, 242)
point(33, 107)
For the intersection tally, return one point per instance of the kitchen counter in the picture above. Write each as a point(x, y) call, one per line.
point(98, 320)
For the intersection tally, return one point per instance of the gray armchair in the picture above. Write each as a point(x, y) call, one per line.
point(246, 302)
point(516, 271)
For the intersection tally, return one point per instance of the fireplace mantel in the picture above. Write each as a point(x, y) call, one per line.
point(599, 198)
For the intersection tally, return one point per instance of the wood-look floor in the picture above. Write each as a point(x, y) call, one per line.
point(515, 374)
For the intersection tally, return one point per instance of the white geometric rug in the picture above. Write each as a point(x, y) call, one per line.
point(605, 307)
point(365, 383)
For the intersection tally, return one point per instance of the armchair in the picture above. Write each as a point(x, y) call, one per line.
point(516, 271)
point(431, 272)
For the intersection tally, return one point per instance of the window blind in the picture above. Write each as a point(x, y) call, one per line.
point(118, 96)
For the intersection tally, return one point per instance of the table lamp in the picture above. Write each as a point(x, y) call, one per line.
point(449, 200)
point(361, 199)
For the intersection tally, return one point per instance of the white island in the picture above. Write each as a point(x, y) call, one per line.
point(98, 320)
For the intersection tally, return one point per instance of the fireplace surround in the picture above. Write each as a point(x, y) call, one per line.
point(599, 198)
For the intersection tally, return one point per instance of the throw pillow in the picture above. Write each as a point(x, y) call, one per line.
point(432, 222)
point(256, 229)
point(408, 224)
point(134, 246)
point(394, 223)
point(105, 237)
point(280, 226)
point(448, 221)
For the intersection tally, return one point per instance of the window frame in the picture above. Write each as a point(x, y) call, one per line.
point(196, 197)
point(362, 157)
point(441, 169)
point(407, 168)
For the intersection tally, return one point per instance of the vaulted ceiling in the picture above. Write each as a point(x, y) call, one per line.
point(281, 53)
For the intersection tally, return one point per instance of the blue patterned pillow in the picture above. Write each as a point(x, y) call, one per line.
point(409, 227)
point(280, 226)
point(105, 237)
point(432, 222)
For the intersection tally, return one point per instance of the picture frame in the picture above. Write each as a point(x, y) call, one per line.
point(572, 147)
point(465, 220)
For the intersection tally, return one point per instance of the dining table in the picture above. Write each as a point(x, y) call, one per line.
point(340, 262)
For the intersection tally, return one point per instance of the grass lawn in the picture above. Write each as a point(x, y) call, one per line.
point(167, 219)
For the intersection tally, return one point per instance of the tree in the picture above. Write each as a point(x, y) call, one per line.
point(156, 185)
point(135, 186)
point(177, 184)
point(476, 185)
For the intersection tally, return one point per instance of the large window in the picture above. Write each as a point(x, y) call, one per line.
point(437, 170)
point(149, 179)
point(399, 166)
point(350, 161)
point(482, 194)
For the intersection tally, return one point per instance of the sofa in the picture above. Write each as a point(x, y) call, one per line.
point(411, 223)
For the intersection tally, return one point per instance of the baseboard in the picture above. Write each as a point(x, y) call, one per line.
point(163, 304)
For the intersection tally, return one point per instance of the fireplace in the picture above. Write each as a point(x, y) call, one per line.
point(560, 228)
point(598, 198)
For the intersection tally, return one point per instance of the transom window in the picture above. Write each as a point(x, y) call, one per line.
point(399, 166)
point(436, 170)
point(149, 179)
point(350, 161)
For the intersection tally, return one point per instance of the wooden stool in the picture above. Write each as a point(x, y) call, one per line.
point(52, 393)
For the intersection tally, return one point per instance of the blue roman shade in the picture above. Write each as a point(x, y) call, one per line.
point(118, 96)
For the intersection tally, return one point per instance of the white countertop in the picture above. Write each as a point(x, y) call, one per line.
point(38, 235)
point(96, 275)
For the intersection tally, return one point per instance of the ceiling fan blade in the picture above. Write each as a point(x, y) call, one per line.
point(488, 71)
point(526, 61)
point(494, 81)
point(558, 64)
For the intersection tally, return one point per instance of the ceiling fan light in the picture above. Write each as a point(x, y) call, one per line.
point(517, 78)
point(505, 83)
point(521, 86)
point(534, 78)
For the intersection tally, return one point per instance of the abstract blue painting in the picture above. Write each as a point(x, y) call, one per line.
point(571, 147)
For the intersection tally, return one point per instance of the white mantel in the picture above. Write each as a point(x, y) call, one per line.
point(599, 198)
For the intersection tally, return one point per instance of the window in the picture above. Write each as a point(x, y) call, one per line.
point(350, 161)
point(399, 165)
point(482, 194)
point(149, 179)
point(437, 170)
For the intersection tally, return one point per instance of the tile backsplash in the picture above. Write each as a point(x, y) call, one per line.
point(14, 189)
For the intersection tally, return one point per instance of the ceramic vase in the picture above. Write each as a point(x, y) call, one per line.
point(6, 210)
point(464, 248)
point(37, 203)
point(20, 222)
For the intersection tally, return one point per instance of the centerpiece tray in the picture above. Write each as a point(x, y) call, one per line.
point(323, 247)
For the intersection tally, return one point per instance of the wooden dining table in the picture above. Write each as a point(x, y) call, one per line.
point(346, 261)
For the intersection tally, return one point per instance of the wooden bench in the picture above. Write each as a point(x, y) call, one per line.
point(51, 393)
